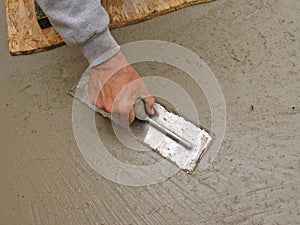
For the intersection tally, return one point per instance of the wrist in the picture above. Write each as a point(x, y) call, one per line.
point(100, 48)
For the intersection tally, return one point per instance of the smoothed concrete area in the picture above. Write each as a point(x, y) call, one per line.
point(253, 48)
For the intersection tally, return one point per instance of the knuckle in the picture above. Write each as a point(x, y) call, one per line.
point(108, 108)
point(99, 105)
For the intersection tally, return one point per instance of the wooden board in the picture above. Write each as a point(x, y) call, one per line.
point(25, 35)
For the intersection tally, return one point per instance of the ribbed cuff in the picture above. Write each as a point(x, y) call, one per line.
point(100, 48)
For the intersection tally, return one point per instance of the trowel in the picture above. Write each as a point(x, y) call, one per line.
point(173, 137)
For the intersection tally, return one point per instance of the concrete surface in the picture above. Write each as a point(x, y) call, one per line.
point(253, 47)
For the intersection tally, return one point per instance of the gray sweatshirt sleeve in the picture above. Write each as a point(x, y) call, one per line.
point(82, 23)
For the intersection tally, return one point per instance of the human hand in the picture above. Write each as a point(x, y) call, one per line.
point(111, 88)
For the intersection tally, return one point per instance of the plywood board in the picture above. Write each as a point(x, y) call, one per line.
point(25, 35)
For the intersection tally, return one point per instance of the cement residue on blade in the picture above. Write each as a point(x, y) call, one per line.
point(185, 159)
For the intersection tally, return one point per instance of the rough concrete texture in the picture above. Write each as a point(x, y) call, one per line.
point(252, 46)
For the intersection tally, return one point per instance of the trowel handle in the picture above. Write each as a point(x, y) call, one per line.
point(170, 134)
point(140, 113)
point(139, 110)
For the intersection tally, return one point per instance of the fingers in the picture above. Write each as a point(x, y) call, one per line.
point(99, 102)
point(149, 102)
point(122, 107)
point(131, 116)
point(125, 115)
point(104, 101)
point(119, 91)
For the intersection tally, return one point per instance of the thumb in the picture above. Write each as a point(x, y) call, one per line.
point(149, 102)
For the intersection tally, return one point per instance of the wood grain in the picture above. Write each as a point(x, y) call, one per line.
point(25, 35)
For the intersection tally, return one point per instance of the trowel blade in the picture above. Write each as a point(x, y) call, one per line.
point(185, 159)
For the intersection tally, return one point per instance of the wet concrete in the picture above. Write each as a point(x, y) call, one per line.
point(253, 48)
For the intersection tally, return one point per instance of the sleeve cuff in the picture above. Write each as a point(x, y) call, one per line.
point(100, 48)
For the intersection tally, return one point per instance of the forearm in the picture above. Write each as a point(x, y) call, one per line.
point(82, 23)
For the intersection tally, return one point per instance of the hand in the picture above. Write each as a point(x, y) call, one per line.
point(111, 88)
